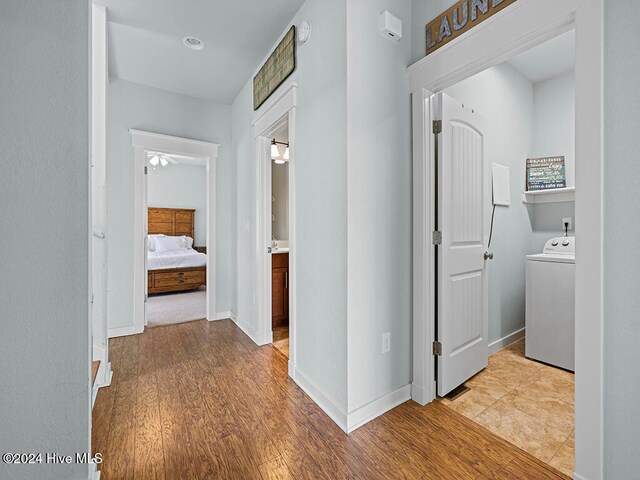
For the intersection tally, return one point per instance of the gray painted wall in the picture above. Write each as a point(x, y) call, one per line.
point(505, 98)
point(135, 106)
point(181, 186)
point(622, 240)
point(379, 201)
point(280, 205)
point(44, 213)
point(321, 199)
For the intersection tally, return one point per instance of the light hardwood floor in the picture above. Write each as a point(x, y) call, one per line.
point(200, 401)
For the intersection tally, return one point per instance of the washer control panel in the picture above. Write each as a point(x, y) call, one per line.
point(562, 245)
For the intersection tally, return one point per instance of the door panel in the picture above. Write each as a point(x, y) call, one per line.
point(464, 205)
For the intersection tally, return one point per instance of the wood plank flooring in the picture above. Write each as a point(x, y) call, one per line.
point(200, 401)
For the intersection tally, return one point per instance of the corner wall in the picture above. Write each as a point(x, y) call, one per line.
point(379, 203)
point(44, 245)
point(321, 199)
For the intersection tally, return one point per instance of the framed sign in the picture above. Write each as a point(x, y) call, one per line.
point(545, 173)
point(280, 64)
point(460, 18)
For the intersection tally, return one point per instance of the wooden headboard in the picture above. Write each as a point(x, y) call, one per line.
point(171, 221)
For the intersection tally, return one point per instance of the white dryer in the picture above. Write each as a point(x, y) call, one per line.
point(550, 304)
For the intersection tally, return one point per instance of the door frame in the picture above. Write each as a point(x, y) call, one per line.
point(282, 110)
point(141, 141)
point(523, 25)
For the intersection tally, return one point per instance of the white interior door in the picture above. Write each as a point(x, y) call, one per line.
point(464, 206)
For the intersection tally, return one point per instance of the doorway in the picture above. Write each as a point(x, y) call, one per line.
point(179, 222)
point(517, 29)
point(280, 156)
point(276, 257)
point(176, 263)
point(505, 130)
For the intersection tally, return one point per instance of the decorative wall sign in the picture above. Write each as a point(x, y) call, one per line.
point(276, 69)
point(545, 173)
point(460, 18)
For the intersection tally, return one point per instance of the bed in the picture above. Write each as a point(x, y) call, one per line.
point(173, 269)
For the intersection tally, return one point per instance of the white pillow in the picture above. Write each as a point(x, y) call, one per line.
point(169, 244)
point(152, 241)
point(188, 242)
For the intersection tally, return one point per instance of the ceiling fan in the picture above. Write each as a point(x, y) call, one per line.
point(161, 158)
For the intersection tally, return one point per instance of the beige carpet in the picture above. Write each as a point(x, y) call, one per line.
point(170, 308)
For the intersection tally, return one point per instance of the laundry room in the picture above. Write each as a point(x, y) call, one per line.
point(526, 392)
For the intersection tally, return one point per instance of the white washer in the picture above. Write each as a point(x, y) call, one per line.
point(550, 304)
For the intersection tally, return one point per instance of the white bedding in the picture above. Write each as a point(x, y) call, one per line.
point(176, 259)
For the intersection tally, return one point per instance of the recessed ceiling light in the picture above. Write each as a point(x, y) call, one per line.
point(193, 43)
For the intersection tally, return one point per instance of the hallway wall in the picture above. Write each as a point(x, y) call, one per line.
point(321, 199)
point(44, 244)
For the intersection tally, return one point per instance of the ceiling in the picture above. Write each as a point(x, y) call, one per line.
point(145, 42)
point(548, 60)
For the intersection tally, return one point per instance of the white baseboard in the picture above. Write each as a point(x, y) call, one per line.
point(123, 331)
point(374, 409)
point(222, 316)
point(419, 394)
point(246, 328)
point(321, 399)
point(506, 341)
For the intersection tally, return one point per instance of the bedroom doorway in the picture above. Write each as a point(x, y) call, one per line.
point(176, 226)
point(174, 229)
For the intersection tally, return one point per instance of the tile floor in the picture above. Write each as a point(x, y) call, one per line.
point(527, 403)
point(281, 340)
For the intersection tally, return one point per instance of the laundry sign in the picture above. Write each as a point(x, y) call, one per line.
point(545, 173)
point(460, 18)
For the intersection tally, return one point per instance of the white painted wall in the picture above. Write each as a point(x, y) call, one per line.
point(505, 98)
point(621, 240)
point(321, 201)
point(181, 186)
point(554, 134)
point(134, 106)
point(422, 12)
point(379, 202)
point(44, 245)
point(554, 125)
point(280, 205)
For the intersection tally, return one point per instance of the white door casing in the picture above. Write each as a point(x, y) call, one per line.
point(464, 206)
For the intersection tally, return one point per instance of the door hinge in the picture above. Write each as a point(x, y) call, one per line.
point(437, 237)
point(437, 349)
point(437, 126)
point(145, 170)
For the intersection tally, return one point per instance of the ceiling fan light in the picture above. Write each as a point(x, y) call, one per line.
point(154, 161)
point(286, 153)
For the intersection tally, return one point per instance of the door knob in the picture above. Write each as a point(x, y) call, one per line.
point(488, 255)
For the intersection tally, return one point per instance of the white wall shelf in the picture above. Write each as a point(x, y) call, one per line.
point(550, 196)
